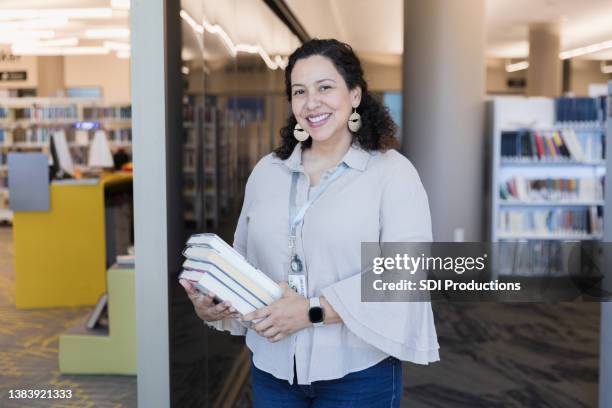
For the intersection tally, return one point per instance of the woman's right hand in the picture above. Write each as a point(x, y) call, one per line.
point(204, 306)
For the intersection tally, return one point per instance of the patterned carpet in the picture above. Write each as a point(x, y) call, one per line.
point(29, 347)
point(493, 356)
point(499, 356)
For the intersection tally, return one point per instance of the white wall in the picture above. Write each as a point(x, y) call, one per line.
point(110, 73)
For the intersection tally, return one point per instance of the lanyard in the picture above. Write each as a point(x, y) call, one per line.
point(296, 216)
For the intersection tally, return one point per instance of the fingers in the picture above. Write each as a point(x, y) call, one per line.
point(263, 325)
point(188, 287)
point(270, 332)
point(257, 314)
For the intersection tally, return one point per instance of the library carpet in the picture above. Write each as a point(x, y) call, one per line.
point(492, 355)
point(29, 347)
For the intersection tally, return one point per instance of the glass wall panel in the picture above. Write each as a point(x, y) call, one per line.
point(233, 108)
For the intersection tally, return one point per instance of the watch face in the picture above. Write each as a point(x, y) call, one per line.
point(315, 314)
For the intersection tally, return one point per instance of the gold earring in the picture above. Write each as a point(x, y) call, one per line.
point(299, 133)
point(354, 122)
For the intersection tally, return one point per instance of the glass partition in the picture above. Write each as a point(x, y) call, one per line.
point(233, 54)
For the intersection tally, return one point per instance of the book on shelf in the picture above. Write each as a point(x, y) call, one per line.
point(538, 190)
point(226, 273)
point(555, 145)
point(584, 109)
point(550, 222)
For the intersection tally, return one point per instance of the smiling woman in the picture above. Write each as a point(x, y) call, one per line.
point(337, 82)
point(334, 183)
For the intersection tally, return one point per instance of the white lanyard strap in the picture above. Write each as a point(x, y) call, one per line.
point(296, 218)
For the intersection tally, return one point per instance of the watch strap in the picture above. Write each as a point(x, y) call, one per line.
point(316, 302)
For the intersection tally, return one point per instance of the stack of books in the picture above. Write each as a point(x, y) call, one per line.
point(214, 266)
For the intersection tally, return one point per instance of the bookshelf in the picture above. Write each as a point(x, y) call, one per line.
point(27, 123)
point(200, 163)
point(223, 138)
point(547, 173)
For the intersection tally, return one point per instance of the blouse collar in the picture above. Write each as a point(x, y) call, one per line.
point(355, 157)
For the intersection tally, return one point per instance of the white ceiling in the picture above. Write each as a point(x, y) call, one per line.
point(374, 28)
point(583, 22)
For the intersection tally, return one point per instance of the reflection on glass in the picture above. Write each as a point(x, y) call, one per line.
point(233, 108)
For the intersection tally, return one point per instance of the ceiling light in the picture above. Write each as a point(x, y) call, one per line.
point(281, 61)
point(120, 4)
point(9, 37)
point(34, 24)
point(227, 41)
point(192, 23)
point(605, 69)
point(589, 49)
point(517, 66)
point(57, 13)
point(60, 42)
point(59, 51)
point(117, 46)
point(123, 54)
point(108, 33)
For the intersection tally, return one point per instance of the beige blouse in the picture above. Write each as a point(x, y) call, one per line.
point(379, 198)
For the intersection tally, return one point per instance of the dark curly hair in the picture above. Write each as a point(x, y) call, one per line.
point(377, 128)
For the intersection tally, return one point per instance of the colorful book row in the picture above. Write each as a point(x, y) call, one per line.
point(563, 145)
point(550, 189)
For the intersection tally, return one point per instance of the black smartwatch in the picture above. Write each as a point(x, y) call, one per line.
point(316, 314)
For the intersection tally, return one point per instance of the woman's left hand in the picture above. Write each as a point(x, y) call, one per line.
point(282, 317)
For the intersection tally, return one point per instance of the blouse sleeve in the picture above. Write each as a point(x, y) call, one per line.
point(402, 329)
point(234, 327)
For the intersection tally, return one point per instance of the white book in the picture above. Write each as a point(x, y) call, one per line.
point(252, 283)
point(197, 244)
point(521, 188)
point(227, 280)
point(574, 145)
point(212, 284)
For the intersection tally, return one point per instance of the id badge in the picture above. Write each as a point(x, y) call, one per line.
point(297, 282)
point(295, 276)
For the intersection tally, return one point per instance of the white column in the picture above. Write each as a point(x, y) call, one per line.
point(443, 110)
point(156, 105)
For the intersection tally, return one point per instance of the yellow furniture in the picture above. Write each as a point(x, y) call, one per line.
point(60, 254)
point(111, 352)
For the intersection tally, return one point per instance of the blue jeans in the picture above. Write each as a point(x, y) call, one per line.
point(379, 386)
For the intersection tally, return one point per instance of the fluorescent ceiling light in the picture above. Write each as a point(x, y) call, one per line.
point(281, 61)
point(57, 13)
point(605, 69)
point(114, 32)
point(34, 24)
point(60, 42)
point(517, 66)
point(117, 46)
point(576, 52)
point(120, 4)
point(589, 49)
point(192, 23)
point(9, 37)
point(227, 41)
point(60, 51)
